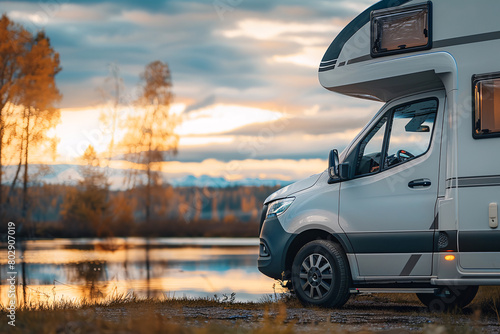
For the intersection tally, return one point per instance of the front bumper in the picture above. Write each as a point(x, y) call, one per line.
point(274, 242)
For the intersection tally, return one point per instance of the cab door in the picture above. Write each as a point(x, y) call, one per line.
point(387, 205)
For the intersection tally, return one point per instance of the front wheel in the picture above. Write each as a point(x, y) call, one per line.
point(320, 274)
point(449, 298)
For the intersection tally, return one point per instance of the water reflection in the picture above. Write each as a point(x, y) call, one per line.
point(91, 269)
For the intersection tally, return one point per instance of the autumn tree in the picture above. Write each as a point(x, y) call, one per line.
point(14, 40)
point(39, 94)
point(150, 137)
point(28, 96)
point(110, 116)
point(86, 207)
point(122, 209)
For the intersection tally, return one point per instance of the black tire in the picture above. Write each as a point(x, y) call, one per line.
point(449, 298)
point(321, 275)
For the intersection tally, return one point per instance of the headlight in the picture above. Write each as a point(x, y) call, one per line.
point(278, 207)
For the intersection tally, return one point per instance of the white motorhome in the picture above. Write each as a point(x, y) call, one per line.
point(411, 205)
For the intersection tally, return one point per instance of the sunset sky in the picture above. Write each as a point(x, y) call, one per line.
point(244, 75)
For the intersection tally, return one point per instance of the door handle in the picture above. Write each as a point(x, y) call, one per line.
point(420, 183)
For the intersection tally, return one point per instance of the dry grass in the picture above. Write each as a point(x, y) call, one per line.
point(121, 300)
point(130, 314)
point(147, 319)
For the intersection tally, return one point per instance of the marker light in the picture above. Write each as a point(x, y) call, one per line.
point(449, 257)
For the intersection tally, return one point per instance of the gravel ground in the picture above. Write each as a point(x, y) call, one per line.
point(361, 314)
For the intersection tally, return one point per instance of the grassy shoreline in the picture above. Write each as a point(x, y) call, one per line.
point(278, 314)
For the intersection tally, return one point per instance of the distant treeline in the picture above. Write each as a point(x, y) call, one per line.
point(73, 211)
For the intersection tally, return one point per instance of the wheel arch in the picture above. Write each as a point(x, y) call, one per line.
point(311, 235)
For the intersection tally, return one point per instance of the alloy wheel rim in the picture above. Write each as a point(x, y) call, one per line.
point(316, 276)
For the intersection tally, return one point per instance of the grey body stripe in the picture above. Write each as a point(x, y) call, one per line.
point(475, 181)
point(412, 262)
point(489, 36)
point(359, 59)
point(327, 65)
point(327, 68)
point(328, 62)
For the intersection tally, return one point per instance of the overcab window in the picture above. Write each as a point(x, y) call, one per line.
point(401, 29)
point(486, 90)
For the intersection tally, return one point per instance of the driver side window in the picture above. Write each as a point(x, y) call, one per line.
point(409, 135)
point(411, 131)
point(370, 150)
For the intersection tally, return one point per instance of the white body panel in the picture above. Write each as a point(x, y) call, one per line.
point(461, 48)
point(453, 215)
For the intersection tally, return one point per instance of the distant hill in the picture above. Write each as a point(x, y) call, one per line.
point(69, 174)
point(220, 182)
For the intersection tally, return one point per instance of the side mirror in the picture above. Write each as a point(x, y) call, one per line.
point(424, 128)
point(333, 163)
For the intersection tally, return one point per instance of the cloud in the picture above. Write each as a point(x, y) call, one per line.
point(309, 56)
point(259, 55)
point(266, 30)
point(267, 146)
point(222, 118)
point(256, 47)
point(207, 101)
point(319, 125)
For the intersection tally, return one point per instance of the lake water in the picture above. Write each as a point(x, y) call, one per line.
point(74, 269)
